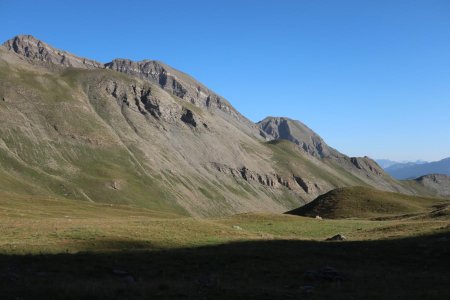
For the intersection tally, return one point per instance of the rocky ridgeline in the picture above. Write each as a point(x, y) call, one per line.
point(38, 51)
point(280, 128)
point(171, 80)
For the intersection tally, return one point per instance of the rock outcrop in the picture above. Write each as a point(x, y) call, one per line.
point(273, 180)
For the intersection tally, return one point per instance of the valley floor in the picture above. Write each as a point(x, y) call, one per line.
point(74, 250)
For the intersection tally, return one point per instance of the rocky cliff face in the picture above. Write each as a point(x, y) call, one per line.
point(146, 134)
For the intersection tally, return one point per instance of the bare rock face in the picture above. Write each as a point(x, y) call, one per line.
point(38, 51)
point(151, 70)
point(146, 100)
point(174, 81)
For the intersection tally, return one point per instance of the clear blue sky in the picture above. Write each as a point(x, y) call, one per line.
point(371, 77)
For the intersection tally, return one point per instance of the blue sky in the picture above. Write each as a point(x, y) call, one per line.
point(371, 77)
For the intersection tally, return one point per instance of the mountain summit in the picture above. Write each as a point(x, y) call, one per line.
point(37, 51)
point(146, 134)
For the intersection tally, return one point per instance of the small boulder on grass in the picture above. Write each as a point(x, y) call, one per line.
point(337, 237)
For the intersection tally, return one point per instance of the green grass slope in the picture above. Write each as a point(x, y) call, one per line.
point(363, 202)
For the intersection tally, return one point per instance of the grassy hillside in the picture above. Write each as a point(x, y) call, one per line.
point(363, 202)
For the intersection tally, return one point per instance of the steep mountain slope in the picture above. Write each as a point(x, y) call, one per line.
point(367, 170)
point(145, 134)
point(363, 202)
point(411, 171)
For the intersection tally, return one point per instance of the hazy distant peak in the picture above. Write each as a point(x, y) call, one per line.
point(414, 170)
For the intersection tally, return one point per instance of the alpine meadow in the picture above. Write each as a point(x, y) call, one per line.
point(131, 179)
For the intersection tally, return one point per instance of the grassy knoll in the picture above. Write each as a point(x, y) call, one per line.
point(363, 202)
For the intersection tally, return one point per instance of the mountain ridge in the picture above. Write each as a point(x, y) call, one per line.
point(161, 145)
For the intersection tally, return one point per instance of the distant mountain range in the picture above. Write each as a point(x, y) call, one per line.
point(386, 163)
point(411, 170)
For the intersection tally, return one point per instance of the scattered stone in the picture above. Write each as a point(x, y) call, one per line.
point(115, 185)
point(319, 218)
point(337, 237)
point(237, 227)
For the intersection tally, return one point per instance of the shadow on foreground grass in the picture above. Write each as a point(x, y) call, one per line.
point(413, 268)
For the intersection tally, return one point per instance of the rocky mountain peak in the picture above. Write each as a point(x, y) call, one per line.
point(296, 132)
point(38, 51)
point(175, 82)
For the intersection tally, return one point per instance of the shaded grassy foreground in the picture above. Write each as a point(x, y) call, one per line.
point(74, 250)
